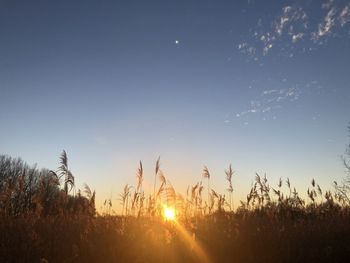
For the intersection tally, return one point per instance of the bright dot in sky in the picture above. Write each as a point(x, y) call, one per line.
point(177, 42)
point(169, 214)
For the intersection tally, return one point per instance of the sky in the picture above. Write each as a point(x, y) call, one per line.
point(263, 85)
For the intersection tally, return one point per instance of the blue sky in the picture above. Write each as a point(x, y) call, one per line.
point(262, 85)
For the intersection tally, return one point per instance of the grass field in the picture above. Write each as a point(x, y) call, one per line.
point(40, 221)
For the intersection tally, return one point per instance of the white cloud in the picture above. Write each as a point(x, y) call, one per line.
point(328, 4)
point(293, 24)
point(344, 16)
point(247, 49)
point(271, 100)
point(326, 26)
point(297, 37)
point(265, 92)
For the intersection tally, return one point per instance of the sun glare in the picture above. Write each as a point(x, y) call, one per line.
point(169, 214)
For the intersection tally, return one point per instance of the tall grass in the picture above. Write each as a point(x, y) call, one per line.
point(43, 220)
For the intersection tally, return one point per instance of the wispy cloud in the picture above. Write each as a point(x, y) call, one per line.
point(292, 25)
point(247, 49)
point(297, 37)
point(268, 101)
point(265, 92)
point(326, 26)
point(344, 16)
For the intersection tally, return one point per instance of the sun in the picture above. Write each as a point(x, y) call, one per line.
point(169, 214)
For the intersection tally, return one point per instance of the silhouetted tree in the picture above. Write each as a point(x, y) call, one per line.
point(346, 157)
point(343, 189)
point(26, 189)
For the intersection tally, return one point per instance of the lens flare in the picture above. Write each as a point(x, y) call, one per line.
point(169, 214)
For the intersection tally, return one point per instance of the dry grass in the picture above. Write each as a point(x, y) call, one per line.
point(41, 221)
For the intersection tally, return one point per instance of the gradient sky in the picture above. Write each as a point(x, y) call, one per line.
point(263, 85)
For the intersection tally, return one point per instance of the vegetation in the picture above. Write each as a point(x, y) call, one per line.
point(44, 219)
